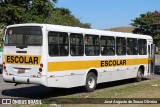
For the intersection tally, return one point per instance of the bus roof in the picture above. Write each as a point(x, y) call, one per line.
point(69, 29)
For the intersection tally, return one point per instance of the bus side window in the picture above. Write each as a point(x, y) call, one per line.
point(76, 44)
point(58, 44)
point(92, 45)
point(132, 48)
point(107, 45)
point(63, 42)
point(142, 45)
point(120, 46)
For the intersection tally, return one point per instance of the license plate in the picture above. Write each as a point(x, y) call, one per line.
point(21, 70)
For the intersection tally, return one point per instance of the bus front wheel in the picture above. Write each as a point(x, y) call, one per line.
point(91, 82)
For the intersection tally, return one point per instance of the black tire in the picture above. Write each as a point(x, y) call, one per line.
point(1, 70)
point(91, 82)
point(139, 75)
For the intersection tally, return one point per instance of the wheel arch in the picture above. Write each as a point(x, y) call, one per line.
point(142, 68)
point(94, 70)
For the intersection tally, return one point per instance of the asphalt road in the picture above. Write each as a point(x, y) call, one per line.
point(8, 90)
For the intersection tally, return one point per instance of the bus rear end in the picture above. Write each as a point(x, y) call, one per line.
point(23, 55)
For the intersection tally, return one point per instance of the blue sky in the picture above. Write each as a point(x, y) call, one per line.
point(103, 14)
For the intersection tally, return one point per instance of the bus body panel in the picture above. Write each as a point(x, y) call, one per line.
point(76, 77)
point(67, 79)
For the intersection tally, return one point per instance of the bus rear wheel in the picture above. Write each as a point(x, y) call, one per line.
point(91, 82)
point(139, 75)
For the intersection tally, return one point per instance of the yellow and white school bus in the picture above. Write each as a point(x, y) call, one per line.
point(63, 56)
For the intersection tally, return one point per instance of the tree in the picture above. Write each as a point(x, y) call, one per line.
point(148, 24)
point(36, 11)
point(23, 11)
point(63, 16)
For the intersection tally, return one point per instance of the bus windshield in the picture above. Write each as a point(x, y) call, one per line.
point(23, 36)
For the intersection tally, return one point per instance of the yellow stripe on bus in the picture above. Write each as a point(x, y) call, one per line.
point(22, 59)
point(77, 65)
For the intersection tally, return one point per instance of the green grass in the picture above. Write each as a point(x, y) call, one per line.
point(158, 52)
point(144, 89)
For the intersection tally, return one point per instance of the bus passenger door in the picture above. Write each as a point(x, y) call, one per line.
point(151, 58)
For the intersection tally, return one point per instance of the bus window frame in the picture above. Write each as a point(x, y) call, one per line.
point(86, 42)
point(107, 45)
point(141, 47)
point(59, 44)
point(23, 39)
point(123, 47)
point(127, 47)
point(76, 44)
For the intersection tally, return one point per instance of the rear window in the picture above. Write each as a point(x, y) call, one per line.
point(26, 35)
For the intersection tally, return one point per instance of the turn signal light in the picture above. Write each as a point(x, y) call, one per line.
point(41, 65)
point(40, 69)
point(4, 67)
